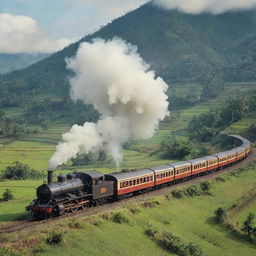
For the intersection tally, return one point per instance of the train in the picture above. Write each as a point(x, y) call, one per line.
point(80, 190)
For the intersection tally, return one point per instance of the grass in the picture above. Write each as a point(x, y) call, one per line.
point(24, 192)
point(190, 218)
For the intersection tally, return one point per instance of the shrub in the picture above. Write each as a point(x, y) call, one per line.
point(54, 238)
point(151, 203)
point(151, 232)
point(193, 190)
point(221, 215)
point(249, 226)
point(120, 217)
point(135, 209)
point(173, 243)
point(177, 193)
point(206, 186)
point(8, 195)
point(76, 224)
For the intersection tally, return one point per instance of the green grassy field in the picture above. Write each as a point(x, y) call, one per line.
point(190, 218)
point(36, 150)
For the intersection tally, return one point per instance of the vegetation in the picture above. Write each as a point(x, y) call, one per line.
point(221, 215)
point(249, 226)
point(20, 171)
point(7, 195)
point(54, 238)
point(207, 125)
point(173, 243)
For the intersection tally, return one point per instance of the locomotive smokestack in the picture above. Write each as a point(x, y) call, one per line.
point(50, 176)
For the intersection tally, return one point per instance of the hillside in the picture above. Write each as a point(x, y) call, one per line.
point(180, 47)
point(10, 62)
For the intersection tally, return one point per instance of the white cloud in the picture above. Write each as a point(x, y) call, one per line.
point(20, 34)
point(210, 6)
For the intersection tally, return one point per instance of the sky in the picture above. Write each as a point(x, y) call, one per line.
point(57, 22)
point(30, 26)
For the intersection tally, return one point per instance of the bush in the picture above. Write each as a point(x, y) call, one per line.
point(120, 217)
point(151, 203)
point(193, 190)
point(20, 171)
point(249, 226)
point(221, 215)
point(7, 195)
point(76, 224)
point(206, 186)
point(135, 209)
point(173, 243)
point(177, 193)
point(54, 238)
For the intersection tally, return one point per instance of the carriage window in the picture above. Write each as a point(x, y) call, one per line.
point(138, 181)
point(151, 178)
point(141, 180)
point(157, 176)
point(171, 172)
point(134, 182)
point(130, 182)
point(147, 179)
point(144, 179)
point(127, 183)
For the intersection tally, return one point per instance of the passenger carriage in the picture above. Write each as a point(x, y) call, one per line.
point(128, 182)
point(163, 174)
point(182, 170)
point(198, 166)
point(212, 163)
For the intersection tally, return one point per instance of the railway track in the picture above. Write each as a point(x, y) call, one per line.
point(29, 223)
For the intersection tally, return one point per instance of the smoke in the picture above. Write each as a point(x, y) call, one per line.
point(131, 100)
point(210, 6)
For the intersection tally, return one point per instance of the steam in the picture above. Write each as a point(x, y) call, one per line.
point(210, 6)
point(113, 77)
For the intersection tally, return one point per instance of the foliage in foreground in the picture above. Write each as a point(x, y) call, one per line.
point(54, 238)
point(173, 243)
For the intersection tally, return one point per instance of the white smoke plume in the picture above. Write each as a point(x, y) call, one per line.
point(131, 100)
point(210, 6)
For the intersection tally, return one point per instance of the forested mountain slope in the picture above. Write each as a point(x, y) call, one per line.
point(180, 47)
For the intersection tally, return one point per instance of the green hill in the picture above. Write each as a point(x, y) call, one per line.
point(180, 47)
point(10, 62)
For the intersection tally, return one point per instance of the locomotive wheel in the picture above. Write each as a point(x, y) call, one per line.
point(84, 206)
point(74, 209)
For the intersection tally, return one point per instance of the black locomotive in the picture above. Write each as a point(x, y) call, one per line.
point(71, 192)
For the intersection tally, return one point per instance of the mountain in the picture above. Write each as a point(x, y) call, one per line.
point(10, 62)
point(180, 47)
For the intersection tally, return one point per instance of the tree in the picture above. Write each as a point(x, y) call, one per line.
point(221, 214)
point(8, 195)
point(249, 225)
point(176, 147)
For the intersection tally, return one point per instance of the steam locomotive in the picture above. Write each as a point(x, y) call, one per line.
point(80, 190)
